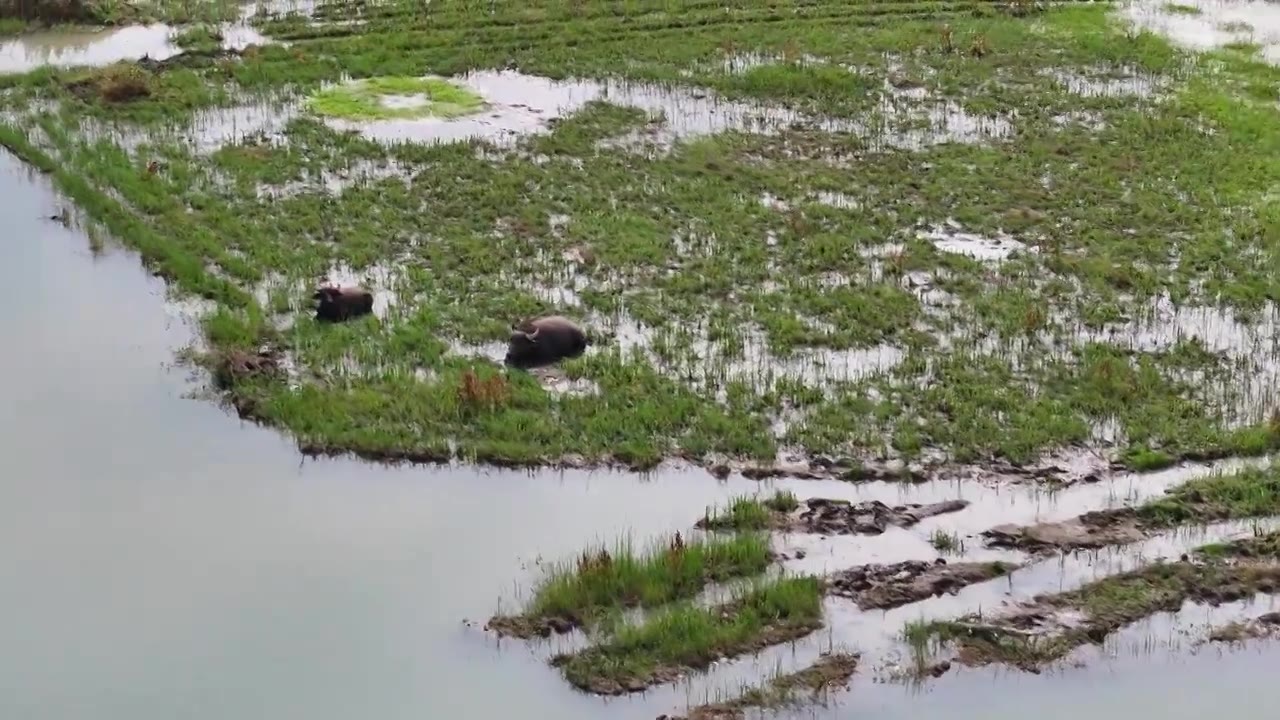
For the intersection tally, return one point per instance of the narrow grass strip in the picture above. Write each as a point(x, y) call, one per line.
point(1220, 573)
point(689, 638)
point(601, 581)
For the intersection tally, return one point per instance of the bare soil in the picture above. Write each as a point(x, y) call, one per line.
point(880, 587)
point(1089, 531)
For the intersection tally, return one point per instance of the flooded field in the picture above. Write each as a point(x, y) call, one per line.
point(931, 359)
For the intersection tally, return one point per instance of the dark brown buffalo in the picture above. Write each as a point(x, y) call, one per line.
point(342, 303)
point(543, 341)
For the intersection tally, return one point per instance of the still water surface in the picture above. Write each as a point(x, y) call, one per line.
point(160, 560)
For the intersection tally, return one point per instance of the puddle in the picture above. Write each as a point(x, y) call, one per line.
point(1121, 82)
point(1215, 25)
point(523, 104)
point(695, 358)
point(68, 48)
point(337, 181)
point(97, 47)
point(949, 238)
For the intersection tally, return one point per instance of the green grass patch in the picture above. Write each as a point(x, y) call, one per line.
point(375, 98)
point(749, 513)
point(603, 581)
point(688, 638)
point(1250, 493)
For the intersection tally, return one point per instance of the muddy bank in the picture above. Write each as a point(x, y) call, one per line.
point(1042, 631)
point(1264, 626)
point(1249, 493)
point(1089, 531)
point(829, 672)
point(824, 516)
point(881, 587)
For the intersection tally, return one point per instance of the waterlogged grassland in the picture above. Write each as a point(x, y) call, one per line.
point(753, 286)
point(684, 638)
point(600, 582)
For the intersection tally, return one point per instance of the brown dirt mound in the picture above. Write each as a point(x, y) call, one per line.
point(1089, 531)
point(119, 83)
point(841, 517)
point(880, 587)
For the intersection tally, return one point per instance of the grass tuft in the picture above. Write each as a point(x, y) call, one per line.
point(373, 98)
point(601, 581)
point(690, 638)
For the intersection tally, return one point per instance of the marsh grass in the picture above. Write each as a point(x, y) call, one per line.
point(364, 99)
point(782, 690)
point(946, 542)
point(692, 637)
point(1249, 493)
point(709, 327)
point(199, 38)
point(601, 581)
point(746, 512)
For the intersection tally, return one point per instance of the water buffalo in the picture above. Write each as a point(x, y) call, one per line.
point(543, 341)
point(342, 303)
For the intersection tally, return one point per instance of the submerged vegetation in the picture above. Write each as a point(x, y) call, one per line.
point(830, 671)
point(875, 204)
point(1030, 636)
point(673, 642)
point(601, 581)
point(389, 98)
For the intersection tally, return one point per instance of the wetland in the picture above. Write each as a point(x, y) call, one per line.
point(931, 350)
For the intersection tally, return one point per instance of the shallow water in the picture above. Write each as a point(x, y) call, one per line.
point(1211, 24)
point(67, 48)
point(102, 46)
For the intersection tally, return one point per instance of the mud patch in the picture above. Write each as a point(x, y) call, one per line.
point(1265, 626)
point(881, 587)
point(824, 516)
point(1089, 531)
point(841, 517)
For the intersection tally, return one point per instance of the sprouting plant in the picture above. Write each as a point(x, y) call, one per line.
point(947, 36)
point(980, 46)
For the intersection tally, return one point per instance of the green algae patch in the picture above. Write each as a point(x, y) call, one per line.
point(396, 98)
